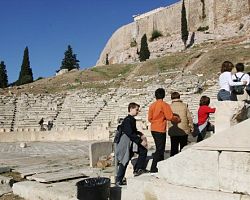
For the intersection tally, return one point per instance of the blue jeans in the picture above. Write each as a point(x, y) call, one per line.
point(224, 95)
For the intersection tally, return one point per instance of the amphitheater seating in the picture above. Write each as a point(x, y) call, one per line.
point(84, 109)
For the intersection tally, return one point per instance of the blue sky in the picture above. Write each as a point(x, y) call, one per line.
point(48, 26)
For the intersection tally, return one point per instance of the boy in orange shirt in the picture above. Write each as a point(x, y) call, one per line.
point(159, 113)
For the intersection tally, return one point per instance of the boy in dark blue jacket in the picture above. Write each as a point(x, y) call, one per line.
point(130, 140)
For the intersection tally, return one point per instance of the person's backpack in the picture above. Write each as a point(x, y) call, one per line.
point(238, 89)
point(118, 134)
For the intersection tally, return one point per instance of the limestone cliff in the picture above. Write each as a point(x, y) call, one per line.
point(216, 15)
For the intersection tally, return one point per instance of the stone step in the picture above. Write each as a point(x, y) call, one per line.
point(5, 189)
point(38, 169)
point(57, 176)
point(149, 186)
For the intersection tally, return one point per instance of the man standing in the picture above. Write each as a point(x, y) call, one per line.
point(158, 115)
point(179, 132)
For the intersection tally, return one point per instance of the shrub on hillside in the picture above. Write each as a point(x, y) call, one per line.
point(39, 78)
point(155, 34)
point(133, 43)
point(203, 28)
point(241, 26)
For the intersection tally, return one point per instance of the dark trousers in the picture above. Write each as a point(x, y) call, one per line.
point(140, 163)
point(176, 141)
point(121, 172)
point(203, 133)
point(160, 142)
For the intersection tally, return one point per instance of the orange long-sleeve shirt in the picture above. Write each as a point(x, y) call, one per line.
point(158, 114)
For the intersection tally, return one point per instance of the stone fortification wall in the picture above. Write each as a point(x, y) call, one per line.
point(140, 16)
point(230, 10)
point(200, 13)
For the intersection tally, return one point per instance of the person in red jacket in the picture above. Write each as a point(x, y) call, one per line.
point(203, 118)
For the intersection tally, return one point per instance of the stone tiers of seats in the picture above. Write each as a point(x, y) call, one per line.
point(30, 109)
point(86, 109)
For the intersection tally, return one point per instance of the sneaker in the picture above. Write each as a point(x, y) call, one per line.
point(121, 183)
point(154, 170)
point(140, 172)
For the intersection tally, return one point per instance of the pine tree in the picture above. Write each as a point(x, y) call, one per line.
point(3, 75)
point(144, 53)
point(25, 75)
point(69, 62)
point(184, 26)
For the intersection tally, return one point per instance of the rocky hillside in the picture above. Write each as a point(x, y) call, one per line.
point(203, 60)
point(208, 21)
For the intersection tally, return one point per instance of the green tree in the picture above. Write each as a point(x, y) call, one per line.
point(3, 75)
point(25, 75)
point(69, 62)
point(144, 53)
point(107, 59)
point(184, 26)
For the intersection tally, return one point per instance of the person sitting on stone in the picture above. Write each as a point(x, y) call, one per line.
point(243, 77)
point(203, 118)
point(41, 124)
point(225, 82)
point(131, 141)
point(50, 125)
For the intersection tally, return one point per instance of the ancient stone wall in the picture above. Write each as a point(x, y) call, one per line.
point(230, 10)
point(200, 13)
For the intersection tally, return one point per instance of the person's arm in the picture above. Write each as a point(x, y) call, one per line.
point(169, 115)
point(139, 133)
point(247, 77)
point(150, 114)
point(128, 130)
point(190, 120)
point(210, 110)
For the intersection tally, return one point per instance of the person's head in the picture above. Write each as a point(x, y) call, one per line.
point(160, 93)
point(204, 101)
point(240, 67)
point(133, 108)
point(227, 66)
point(175, 95)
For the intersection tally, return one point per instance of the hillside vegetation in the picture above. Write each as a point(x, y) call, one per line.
point(204, 59)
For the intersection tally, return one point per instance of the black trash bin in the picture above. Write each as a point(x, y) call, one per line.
point(93, 189)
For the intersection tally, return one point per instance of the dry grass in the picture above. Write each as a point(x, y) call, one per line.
point(10, 197)
point(205, 58)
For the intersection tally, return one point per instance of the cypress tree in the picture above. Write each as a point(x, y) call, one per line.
point(25, 75)
point(3, 75)
point(144, 53)
point(107, 59)
point(69, 62)
point(184, 27)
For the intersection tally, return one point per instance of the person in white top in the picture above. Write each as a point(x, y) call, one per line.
point(225, 82)
point(244, 77)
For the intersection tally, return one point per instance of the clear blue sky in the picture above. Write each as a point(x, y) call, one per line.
point(48, 26)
